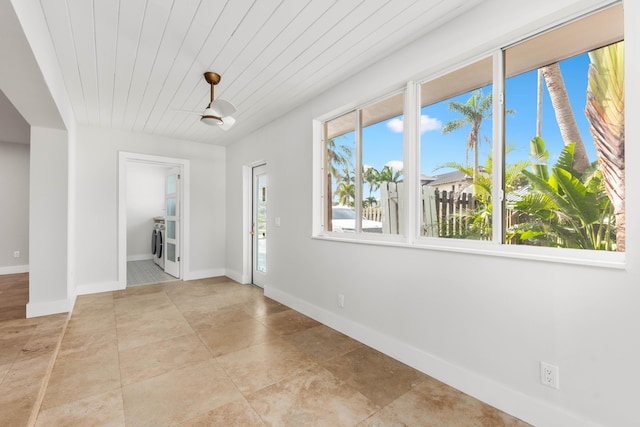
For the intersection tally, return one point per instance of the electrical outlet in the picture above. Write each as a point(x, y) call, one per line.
point(341, 300)
point(549, 375)
point(16, 254)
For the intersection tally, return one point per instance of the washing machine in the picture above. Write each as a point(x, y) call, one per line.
point(157, 244)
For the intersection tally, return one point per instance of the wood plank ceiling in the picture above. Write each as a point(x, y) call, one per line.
point(130, 64)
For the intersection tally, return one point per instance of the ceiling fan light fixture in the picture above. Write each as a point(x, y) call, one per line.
point(211, 120)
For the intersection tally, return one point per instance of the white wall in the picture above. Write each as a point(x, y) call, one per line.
point(48, 204)
point(145, 200)
point(482, 328)
point(97, 209)
point(14, 215)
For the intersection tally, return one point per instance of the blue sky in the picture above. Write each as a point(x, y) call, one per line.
point(381, 144)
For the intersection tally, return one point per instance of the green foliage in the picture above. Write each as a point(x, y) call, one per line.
point(563, 208)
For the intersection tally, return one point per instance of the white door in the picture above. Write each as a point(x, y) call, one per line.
point(259, 225)
point(172, 222)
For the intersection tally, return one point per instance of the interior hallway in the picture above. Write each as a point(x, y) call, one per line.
point(213, 352)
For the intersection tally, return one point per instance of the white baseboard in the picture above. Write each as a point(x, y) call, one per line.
point(204, 274)
point(139, 257)
point(14, 269)
point(48, 307)
point(527, 408)
point(238, 277)
point(96, 288)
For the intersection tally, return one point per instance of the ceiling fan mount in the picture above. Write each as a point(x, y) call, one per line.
point(218, 111)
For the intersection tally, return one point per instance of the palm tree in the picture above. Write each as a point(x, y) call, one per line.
point(388, 174)
point(564, 115)
point(337, 158)
point(371, 177)
point(605, 112)
point(346, 188)
point(474, 111)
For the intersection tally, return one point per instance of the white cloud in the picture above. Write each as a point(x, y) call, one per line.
point(396, 165)
point(429, 123)
point(426, 124)
point(395, 125)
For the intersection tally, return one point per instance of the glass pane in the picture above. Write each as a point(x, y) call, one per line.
point(565, 134)
point(261, 223)
point(340, 176)
point(456, 132)
point(171, 252)
point(171, 229)
point(171, 184)
point(382, 166)
point(171, 206)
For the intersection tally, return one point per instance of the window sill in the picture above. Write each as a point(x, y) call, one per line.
point(589, 258)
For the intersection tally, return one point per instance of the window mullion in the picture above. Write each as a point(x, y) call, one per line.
point(358, 172)
point(411, 173)
point(498, 191)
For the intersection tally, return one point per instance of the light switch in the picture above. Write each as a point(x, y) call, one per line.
point(278, 221)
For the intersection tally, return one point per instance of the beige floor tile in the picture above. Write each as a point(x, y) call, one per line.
point(259, 366)
point(137, 304)
point(4, 369)
point(311, 398)
point(288, 322)
point(91, 323)
point(138, 290)
point(20, 388)
point(207, 318)
point(233, 337)
point(377, 376)
point(236, 413)
point(79, 345)
point(178, 395)
point(260, 307)
point(13, 340)
point(101, 410)
point(43, 342)
point(152, 326)
point(322, 343)
point(433, 403)
point(141, 363)
point(75, 378)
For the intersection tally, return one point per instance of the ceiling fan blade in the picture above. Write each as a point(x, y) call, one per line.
point(222, 108)
point(227, 122)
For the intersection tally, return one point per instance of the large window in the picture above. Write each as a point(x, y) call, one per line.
point(521, 148)
point(364, 169)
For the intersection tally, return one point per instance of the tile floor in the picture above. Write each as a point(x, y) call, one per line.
point(216, 353)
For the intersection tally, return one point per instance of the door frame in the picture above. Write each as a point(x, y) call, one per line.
point(124, 158)
point(247, 216)
point(254, 226)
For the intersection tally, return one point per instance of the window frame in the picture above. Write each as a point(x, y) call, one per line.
point(411, 151)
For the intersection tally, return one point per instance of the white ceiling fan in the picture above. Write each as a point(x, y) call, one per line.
point(218, 111)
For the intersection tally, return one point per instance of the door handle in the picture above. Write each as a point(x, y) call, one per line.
point(253, 232)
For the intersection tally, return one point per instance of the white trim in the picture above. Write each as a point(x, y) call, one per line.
point(238, 277)
point(95, 288)
point(184, 165)
point(590, 258)
point(529, 409)
point(14, 269)
point(205, 274)
point(48, 307)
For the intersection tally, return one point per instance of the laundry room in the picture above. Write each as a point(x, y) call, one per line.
point(146, 237)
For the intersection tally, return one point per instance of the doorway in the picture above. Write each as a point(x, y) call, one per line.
point(173, 220)
point(259, 226)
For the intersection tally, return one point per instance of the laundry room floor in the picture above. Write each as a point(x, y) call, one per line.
point(146, 272)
